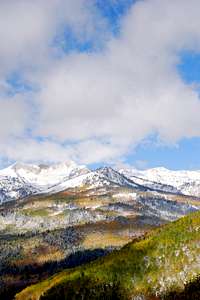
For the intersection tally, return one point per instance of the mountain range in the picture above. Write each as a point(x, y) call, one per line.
point(21, 180)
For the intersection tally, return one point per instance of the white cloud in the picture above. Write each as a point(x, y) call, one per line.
point(33, 150)
point(13, 117)
point(28, 29)
point(102, 104)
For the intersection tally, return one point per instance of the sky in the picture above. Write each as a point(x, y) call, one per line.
point(100, 82)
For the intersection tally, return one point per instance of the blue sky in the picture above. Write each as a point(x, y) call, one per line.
point(189, 67)
point(112, 13)
point(183, 156)
point(100, 82)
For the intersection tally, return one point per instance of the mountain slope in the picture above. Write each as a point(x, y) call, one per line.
point(163, 261)
point(12, 188)
point(100, 178)
point(22, 180)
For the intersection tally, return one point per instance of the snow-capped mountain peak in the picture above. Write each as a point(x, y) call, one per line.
point(20, 179)
point(102, 177)
point(44, 174)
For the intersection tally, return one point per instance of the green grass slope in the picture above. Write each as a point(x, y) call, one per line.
point(150, 268)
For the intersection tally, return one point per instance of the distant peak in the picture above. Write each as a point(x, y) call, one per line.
point(160, 169)
point(106, 170)
point(69, 163)
point(21, 168)
point(43, 166)
point(21, 165)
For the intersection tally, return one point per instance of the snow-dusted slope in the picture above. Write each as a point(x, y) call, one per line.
point(185, 182)
point(12, 188)
point(21, 180)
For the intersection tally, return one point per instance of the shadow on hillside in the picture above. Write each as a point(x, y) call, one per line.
point(90, 288)
point(190, 292)
point(29, 274)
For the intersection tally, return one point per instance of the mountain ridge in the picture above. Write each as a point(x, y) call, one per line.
point(181, 181)
point(21, 180)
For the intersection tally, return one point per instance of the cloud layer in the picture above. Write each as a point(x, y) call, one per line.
point(95, 106)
